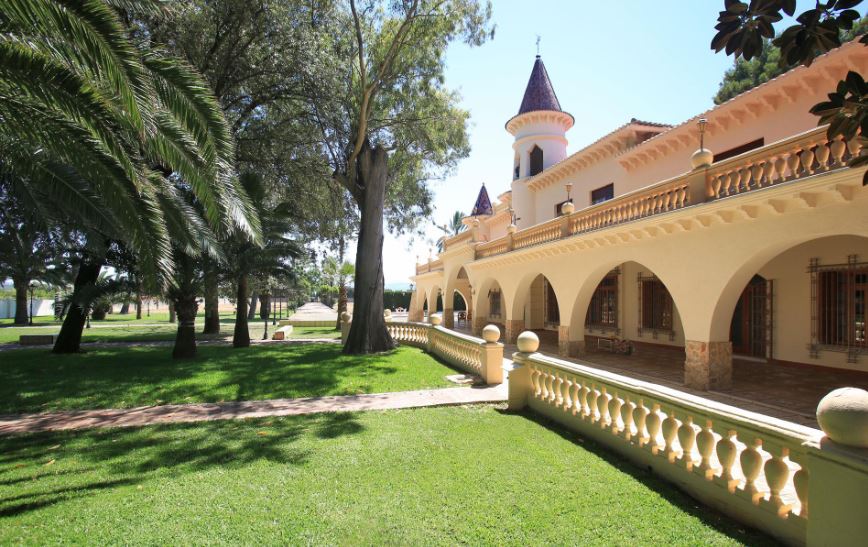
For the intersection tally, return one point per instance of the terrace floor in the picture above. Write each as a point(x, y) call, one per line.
point(788, 392)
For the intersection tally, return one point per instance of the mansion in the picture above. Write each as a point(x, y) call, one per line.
point(739, 233)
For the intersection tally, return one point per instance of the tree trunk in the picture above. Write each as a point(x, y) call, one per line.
point(368, 332)
point(125, 307)
point(212, 299)
point(254, 299)
point(69, 339)
point(342, 302)
point(185, 341)
point(241, 337)
point(172, 315)
point(138, 299)
point(22, 313)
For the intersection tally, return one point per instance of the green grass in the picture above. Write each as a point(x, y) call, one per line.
point(445, 476)
point(37, 380)
point(139, 331)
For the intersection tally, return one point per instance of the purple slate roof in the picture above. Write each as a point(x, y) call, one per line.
point(483, 203)
point(539, 94)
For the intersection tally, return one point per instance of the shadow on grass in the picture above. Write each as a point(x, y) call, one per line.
point(668, 491)
point(36, 380)
point(101, 459)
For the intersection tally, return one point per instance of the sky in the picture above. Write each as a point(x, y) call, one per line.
point(608, 62)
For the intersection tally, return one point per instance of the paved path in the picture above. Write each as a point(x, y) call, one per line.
point(146, 415)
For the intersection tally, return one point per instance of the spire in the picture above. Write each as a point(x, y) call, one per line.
point(483, 203)
point(539, 94)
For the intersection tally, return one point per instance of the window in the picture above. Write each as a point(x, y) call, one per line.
point(558, 206)
point(605, 193)
point(655, 306)
point(603, 310)
point(732, 152)
point(536, 160)
point(553, 316)
point(515, 172)
point(840, 305)
point(494, 303)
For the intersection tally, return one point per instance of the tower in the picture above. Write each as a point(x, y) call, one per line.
point(539, 129)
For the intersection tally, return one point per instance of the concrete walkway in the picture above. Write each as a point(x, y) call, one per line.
point(223, 341)
point(147, 415)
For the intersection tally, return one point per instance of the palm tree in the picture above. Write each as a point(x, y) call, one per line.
point(271, 258)
point(453, 228)
point(108, 131)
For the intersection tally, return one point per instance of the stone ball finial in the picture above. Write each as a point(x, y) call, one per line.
point(491, 334)
point(346, 317)
point(475, 222)
point(527, 342)
point(511, 228)
point(568, 208)
point(435, 319)
point(387, 313)
point(701, 158)
point(843, 416)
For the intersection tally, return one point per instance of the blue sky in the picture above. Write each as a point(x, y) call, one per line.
point(608, 61)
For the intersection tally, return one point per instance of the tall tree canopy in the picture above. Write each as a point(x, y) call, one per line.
point(389, 124)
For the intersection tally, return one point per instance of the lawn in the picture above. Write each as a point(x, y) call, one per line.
point(36, 380)
point(441, 476)
point(135, 331)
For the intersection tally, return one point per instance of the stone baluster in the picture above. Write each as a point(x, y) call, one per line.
point(603, 405)
point(806, 158)
point(639, 414)
point(777, 472)
point(557, 397)
point(751, 464)
point(577, 403)
point(567, 401)
point(614, 413)
point(793, 165)
point(821, 153)
point(744, 175)
point(594, 412)
point(653, 423)
point(705, 445)
point(726, 453)
point(687, 439)
point(586, 409)
point(670, 432)
point(801, 483)
point(756, 174)
point(838, 147)
point(627, 417)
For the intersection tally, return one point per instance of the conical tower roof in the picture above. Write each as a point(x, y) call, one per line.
point(539, 94)
point(483, 203)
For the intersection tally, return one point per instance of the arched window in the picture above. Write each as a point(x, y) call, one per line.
point(536, 160)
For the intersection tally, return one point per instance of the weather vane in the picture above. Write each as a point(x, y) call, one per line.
point(538, 38)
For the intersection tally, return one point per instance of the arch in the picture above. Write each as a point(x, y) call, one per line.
point(536, 160)
point(481, 301)
point(743, 272)
point(629, 322)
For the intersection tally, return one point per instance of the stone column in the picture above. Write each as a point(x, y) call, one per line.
point(577, 347)
point(513, 329)
point(564, 340)
point(448, 318)
point(478, 325)
point(708, 365)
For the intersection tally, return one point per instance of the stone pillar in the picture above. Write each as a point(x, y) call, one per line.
point(448, 318)
point(577, 347)
point(513, 329)
point(492, 356)
point(478, 325)
point(708, 365)
point(564, 340)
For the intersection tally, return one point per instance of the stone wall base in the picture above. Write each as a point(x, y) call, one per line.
point(576, 348)
point(448, 318)
point(708, 365)
point(478, 324)
point(514, 327)
point(564, 340)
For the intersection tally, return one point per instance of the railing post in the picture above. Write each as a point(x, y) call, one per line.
point(492, 356)
point(435, 320)
point(837, 488)
point(697, 186)
point(519, 373)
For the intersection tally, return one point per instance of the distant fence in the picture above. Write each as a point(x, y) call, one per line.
point(41, 306)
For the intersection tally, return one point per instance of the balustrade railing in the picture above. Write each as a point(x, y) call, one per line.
point(804, 155)
point(454, 241)
point(468, 353)
point(430, 266)
point(739, 459)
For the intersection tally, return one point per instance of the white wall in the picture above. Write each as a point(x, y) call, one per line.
point(40, 307)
